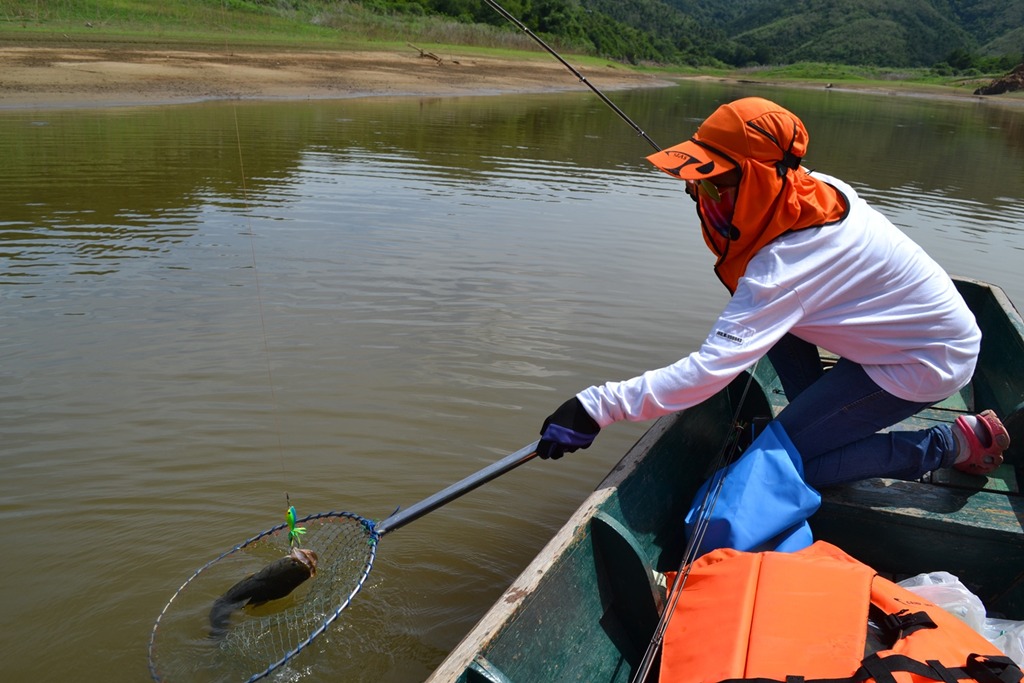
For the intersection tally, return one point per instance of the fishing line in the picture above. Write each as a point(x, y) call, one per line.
point(259, 303)
point(187, 641)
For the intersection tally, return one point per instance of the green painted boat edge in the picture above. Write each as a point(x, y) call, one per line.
point(539, 629)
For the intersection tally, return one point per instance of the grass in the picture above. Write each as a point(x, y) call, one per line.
point(839, 75)
point(302, 24)
point(346, 25)
point(224, 22)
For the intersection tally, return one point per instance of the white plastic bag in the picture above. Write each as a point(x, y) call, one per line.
point(1008, 636)
point(946, 591)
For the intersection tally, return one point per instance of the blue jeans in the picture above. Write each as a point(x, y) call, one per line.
point(834, 418)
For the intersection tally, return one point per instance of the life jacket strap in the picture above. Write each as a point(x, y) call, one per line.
point(940, 669)
point(980, 668)
point(903, 623)
point(891, 627)
point(993, 669)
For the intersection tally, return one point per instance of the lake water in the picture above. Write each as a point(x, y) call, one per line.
point(358, 303)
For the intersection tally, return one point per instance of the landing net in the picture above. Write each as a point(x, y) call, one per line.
point(261, 639)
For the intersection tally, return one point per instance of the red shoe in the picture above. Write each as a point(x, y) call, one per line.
point(983, 459)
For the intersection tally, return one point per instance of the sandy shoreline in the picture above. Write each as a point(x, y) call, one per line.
point(52, 76)
point(47, 77)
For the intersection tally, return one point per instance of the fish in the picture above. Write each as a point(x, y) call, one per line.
point(275, 581)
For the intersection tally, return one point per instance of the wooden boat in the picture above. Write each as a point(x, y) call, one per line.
point(587, 606)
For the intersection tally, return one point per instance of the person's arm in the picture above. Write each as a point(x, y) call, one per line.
point(756, 317)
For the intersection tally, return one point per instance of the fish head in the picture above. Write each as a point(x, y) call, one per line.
point(307, 558)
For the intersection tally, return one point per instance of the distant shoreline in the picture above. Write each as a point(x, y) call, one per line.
point(60, 76)
point(33, 77)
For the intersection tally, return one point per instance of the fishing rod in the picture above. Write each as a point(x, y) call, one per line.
point(727, 449)
point(726, 452)
point(583, 79)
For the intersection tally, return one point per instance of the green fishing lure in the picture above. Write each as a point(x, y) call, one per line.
point(294, 532)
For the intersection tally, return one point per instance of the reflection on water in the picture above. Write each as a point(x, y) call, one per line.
point(114, 185)
point(359, 303)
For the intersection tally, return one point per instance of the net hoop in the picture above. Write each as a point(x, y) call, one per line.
point(372, 538)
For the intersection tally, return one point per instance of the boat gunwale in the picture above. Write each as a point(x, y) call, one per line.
point(515, 601)
point(529, 580)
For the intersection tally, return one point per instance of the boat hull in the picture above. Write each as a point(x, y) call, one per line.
point(587, 606)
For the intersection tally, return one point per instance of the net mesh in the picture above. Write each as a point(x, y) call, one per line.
point(261, 639)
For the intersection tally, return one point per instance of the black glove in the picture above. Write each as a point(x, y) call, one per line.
point(568, 428)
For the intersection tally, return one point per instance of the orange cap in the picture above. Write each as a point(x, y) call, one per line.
point(766, 143)
point(750, 128)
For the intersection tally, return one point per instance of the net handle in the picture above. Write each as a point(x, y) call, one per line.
point(456, 490)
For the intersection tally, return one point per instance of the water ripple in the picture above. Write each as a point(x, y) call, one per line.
point(390, 296)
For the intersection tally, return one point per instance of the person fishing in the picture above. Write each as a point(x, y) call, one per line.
point(809, 264)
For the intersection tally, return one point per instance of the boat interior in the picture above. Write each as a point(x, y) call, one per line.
point(587, 607)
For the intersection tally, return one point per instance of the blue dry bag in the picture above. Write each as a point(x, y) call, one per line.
point(764, 501)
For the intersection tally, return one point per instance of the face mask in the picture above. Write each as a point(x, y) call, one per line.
point(718, 214)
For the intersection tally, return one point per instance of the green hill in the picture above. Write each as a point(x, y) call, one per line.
point(875, 32)
point(960, 34)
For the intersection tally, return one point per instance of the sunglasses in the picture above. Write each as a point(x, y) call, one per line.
point(709, 189)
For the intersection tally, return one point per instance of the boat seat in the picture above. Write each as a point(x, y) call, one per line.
point(860, 517)
point(634, 592)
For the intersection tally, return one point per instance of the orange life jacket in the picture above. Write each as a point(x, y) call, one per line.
point(804, 617)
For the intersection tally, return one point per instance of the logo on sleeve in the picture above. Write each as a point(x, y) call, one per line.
point(722, 334)
point(731, 333)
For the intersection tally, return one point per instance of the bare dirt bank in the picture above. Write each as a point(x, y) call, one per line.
point(50, 75)
point(43, 77)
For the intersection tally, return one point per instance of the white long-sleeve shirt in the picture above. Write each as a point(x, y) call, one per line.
point(860, 289)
